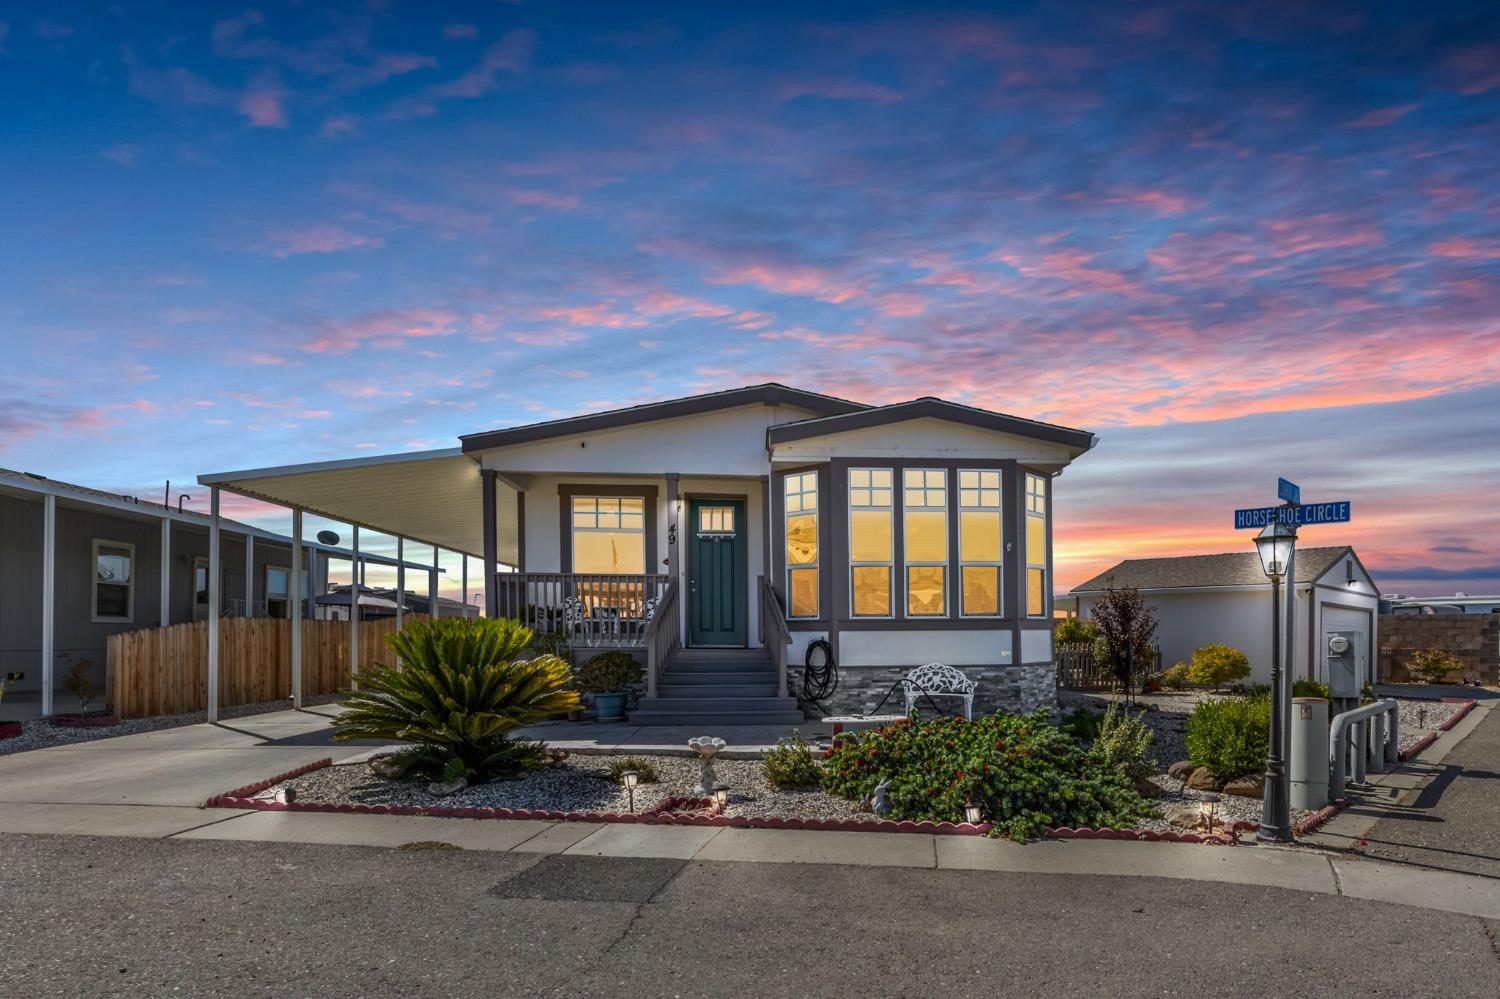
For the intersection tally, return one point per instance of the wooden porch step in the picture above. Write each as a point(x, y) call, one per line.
point(672, 690)
point(718, 676)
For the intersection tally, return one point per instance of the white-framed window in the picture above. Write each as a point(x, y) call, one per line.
point(801, 537)
point(925, 539)
point(609, 534)
point(980, 543)
point(1037, 597)
point(716, 520)
point(113, 597)
point(278, 591)
point(871, 545)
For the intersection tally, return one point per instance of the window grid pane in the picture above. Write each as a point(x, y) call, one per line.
point(609, 535)
point(800, 541)
point(925, 537)
point(1037, 597)
point(871, 541)
point(980, 542)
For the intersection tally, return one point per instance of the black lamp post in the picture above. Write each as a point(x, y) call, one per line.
point(1275, 545)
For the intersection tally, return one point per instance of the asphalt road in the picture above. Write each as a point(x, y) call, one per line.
point(117, 917)
point(1455, 822)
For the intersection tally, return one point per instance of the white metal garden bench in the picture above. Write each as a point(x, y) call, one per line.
point(938, 680)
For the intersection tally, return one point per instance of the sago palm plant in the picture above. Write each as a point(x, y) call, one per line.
point(462, 688)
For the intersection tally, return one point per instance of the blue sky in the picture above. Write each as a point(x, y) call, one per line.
point(1236, 241)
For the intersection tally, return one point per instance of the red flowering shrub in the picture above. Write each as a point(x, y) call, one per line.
point(1024, 773)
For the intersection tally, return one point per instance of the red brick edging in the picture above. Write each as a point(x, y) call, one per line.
point(1431, 737)
point(679, 811)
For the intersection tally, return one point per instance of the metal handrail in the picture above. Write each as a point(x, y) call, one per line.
point(663, 635)
point(773, 617)
point(1378, 749)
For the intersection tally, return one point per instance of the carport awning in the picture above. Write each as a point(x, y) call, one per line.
point(431, 497)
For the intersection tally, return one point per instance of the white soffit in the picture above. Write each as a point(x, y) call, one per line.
point(431, 497)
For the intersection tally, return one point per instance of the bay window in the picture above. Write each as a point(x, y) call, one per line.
point(925, 536)
point(979, 543)
point(609, 534)
point(1036, 546)
point(870, 541)
point(802, 544)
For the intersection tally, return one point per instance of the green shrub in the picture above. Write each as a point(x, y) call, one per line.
point(460, 691)
point(1230, 736)
point(1071, 630)
point(1214, 665)
point(607, 672)
point(1176, 677)
point(792, 765)
point(1123, 743)
point(1025, 774)
point(1433, 665)
point(1083, 724)
point(645, 770)
point(1310, 688)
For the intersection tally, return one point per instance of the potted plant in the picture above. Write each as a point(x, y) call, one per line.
point(606, 676)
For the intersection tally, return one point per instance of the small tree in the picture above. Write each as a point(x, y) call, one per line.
point(1216, 664)
point(80, 683)
point(1433, 665)
point(1126, 628)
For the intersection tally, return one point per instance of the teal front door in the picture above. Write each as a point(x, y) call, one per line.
point(716, 572)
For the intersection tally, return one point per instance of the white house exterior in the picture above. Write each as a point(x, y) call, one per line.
point(1226, 598)
point(720, 534)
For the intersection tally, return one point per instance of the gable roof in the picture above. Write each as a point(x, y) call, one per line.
point(769, 394)
point(1191, 571)
point(929, 407)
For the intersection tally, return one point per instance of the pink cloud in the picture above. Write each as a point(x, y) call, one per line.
point(1382, 117)
point(262, 103)
point(834, 89)
point(789, 279)
point(545, 199)
point(460, 31)
point(320, 239)
point(382, 328)
point(1477, 68)
point(510, 56)
point(1461, 247)
point(339, 124)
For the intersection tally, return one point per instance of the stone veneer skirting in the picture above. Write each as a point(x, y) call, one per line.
point(1016, 689)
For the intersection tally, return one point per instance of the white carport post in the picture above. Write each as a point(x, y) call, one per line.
point(166, 572)
point(249, 574)
point(215, 598)
point(297, 608)
point(464, 573)
point(49, 596)
point(432, 584)
point(354, 609)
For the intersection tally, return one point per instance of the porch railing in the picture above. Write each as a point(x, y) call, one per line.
point(663, 635)
point(588, 609)
point(775, 632)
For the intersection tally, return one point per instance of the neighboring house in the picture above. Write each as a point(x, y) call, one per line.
point(1459, 603)
point(1226, 598)
point(98, 556)
point(719, 535)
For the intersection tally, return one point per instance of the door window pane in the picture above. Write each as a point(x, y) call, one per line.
point(716, 520)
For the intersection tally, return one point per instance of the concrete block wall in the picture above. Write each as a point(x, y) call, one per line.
point(1473, 638)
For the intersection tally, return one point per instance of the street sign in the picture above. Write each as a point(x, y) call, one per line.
point(1288, 492)
point(1336, 512)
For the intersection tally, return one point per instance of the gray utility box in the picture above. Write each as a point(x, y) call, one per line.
point(1341, 664)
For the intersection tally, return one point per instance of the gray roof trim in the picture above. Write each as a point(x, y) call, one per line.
point(216, 478)
point(769, 394)
point(929, 407)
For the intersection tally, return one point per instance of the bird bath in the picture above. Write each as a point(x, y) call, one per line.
point(707, 747)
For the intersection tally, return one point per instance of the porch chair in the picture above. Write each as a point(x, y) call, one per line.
point(938, 680)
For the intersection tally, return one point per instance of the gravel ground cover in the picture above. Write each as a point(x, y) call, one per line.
point(580, 784)
point(40, 734)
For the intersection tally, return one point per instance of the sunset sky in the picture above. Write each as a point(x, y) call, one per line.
point(1236, 241)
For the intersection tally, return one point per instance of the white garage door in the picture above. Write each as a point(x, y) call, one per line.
point(1343, 619)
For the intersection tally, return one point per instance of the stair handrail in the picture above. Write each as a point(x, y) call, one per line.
point(662, 636)
point(775, 632)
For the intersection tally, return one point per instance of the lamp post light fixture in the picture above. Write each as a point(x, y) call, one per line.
point(630, 779)
point(721, 797)
point(1210, 808)
point(1275, 545)
point(971, 813)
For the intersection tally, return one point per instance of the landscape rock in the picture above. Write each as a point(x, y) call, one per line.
point(1250, 786)
point(1148, 789)
point(1185, 816)
point(1202, 780)
point(439, 789)
point(1181, 770)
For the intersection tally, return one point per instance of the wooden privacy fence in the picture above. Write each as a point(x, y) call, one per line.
point(164, 671)
point(1077, 669)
